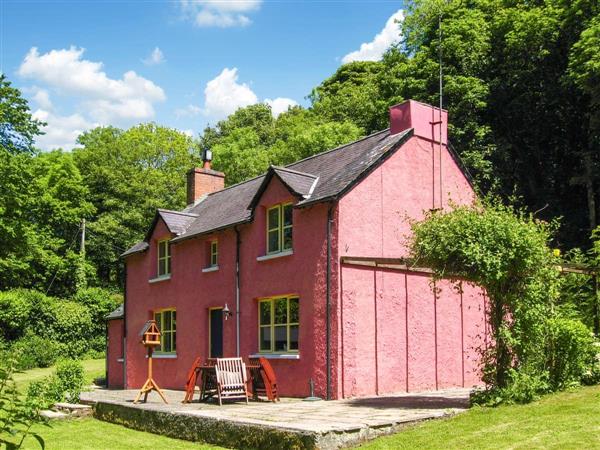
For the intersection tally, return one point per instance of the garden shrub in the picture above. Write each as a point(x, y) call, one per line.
point(15, 310)
point(70, 376)
point(65, 383)
point(507, 253)
point(571, 352)
point(67, 323)
point(99, 302)
point(36, 351)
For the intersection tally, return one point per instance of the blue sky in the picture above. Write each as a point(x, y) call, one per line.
point(181, 63)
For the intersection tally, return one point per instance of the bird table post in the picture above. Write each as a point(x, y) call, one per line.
point(150, 335)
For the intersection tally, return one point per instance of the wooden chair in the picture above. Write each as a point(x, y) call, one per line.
point(264, 380)
point(231, 379)
point(192, 380)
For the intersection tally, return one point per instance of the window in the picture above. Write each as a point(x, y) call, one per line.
point(278, 321)
point(164, 258)
point(166, 320)
point(214, 254)
point(279, 228)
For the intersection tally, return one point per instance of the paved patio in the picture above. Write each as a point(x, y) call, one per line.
point(332, 424)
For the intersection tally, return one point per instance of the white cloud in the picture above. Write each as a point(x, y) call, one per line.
point(280, 104)
point(155, 58)
point(98, 99)
point(61, 131)
point(223, 95)
point(374, 50)
point(42, 98)
point(188, 111)
point(131, 97)
point(219, 13)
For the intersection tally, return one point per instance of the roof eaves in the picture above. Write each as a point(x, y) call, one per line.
point(184, 237)
point(143, 246)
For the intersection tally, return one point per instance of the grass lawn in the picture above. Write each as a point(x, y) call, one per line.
point(561, 421)
point(88, 433)
point(92, 367)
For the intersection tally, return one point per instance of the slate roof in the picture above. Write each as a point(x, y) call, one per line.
point(177, 222)
point(318, 178)
point(299, 183)
point(116, 314)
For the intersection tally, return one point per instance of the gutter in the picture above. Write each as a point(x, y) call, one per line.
point(237, 291)
point(328, 302)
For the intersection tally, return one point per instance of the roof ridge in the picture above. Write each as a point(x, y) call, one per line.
point(177, 212)
point(337, 148)
point(285, 169)
point(237, 184)
point(297, 162)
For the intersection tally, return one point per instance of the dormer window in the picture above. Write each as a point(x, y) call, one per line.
point(279, 228)
point(164, 258)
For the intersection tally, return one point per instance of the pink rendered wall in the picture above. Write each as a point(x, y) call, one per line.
point(114, 358)
point(193, 292)
point(440, 330)
point(403, 334)
point(374, 216)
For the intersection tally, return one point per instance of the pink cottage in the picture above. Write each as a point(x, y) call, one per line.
point(303, 265)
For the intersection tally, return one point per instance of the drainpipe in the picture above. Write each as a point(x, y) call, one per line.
point(124, 328)
point(106, 352)
point(328, 302)
point(237, 291)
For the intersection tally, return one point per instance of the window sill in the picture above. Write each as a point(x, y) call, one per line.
point(275, 255)
point(161, 278)
point(164, 355)
point(276, 355)
point(210, 269)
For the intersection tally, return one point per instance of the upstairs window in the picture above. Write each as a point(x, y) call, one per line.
point(164, 258)
point(279, 228)
point(214, 254)
point(166, 320)
point(278, 323)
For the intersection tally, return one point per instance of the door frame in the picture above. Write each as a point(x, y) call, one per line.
point(210, 309)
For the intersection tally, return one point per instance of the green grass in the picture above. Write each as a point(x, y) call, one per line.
point(568, 420)
point(88, 433)
point(93, 368)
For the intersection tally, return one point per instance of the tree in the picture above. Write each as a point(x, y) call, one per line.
point(17, 127)
point(248, 141)
point(521, 87)
point(129, 174)
point(42, 201)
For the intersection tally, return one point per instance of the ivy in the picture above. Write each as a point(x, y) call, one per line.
point(507, 253)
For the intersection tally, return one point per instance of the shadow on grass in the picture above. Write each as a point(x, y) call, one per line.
point(411, 402)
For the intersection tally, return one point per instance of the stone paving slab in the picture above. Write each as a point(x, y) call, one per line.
point(328, 424)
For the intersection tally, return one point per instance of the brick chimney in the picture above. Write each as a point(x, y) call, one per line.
point(203, 181)
point(423, 118)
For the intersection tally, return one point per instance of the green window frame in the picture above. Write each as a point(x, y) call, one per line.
point(278, 325)
point(214, 253)
point(279, 228)
point(166, 319)
point(164, 258)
